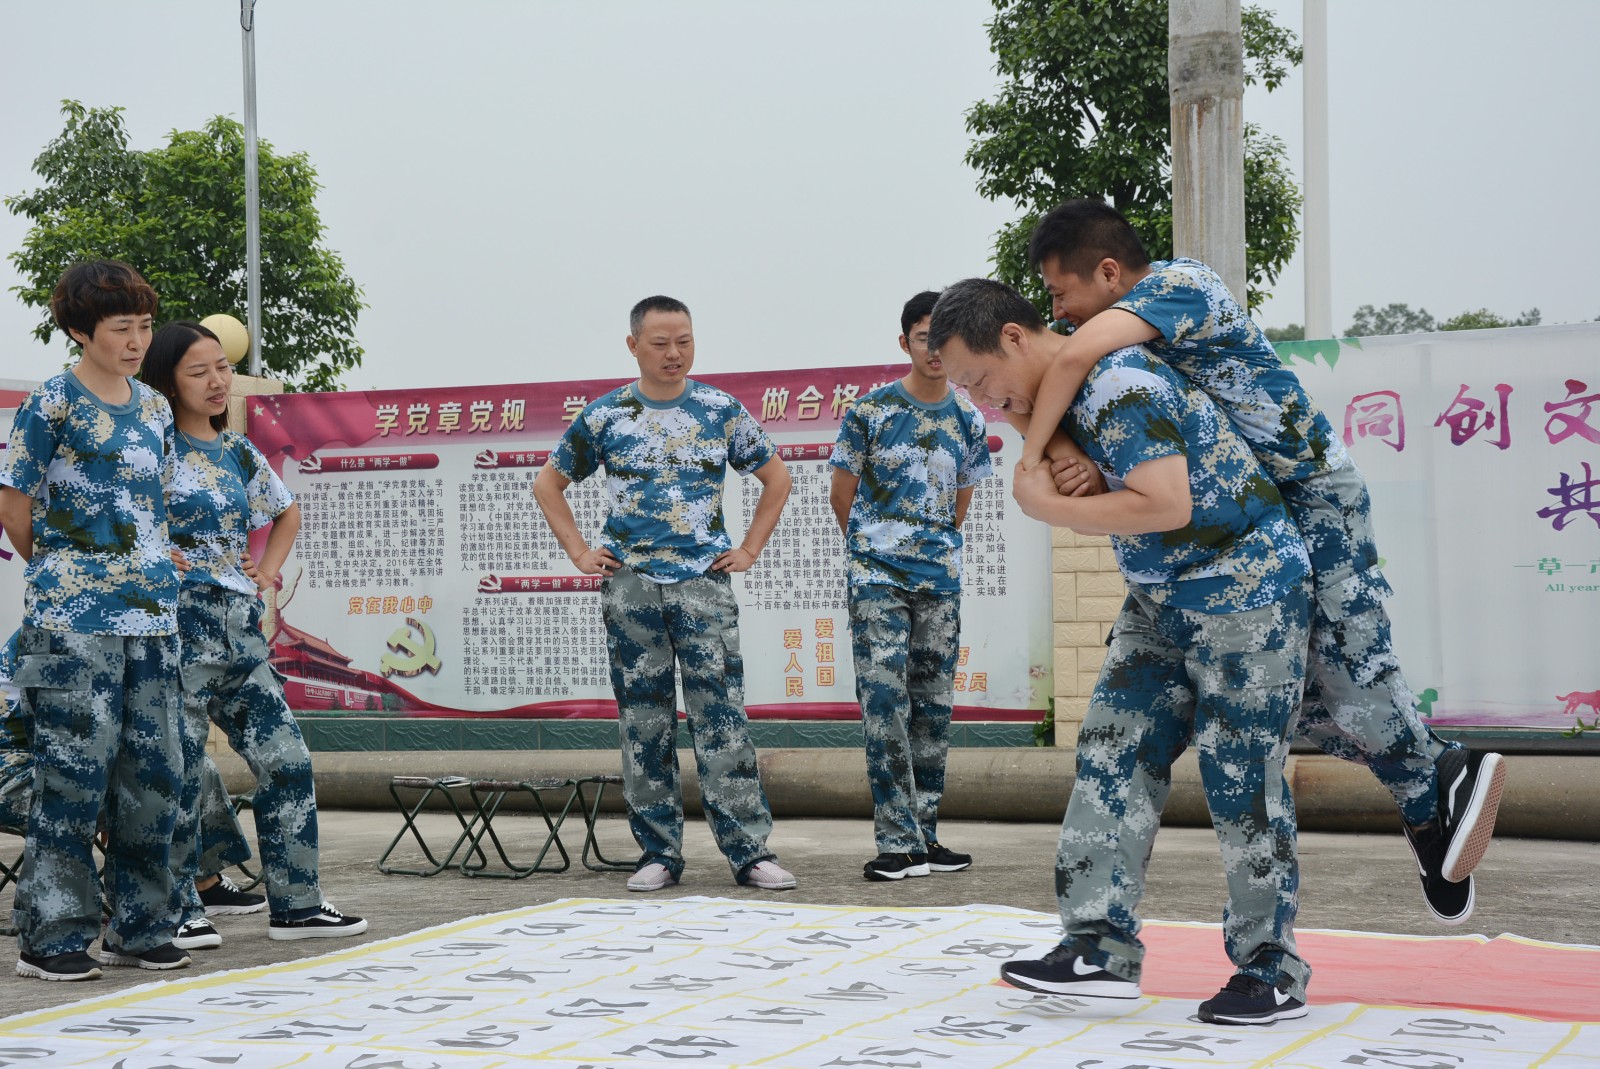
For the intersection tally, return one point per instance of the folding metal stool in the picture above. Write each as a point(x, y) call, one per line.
point(428, 786)
point(489, 795)
point(591, 812)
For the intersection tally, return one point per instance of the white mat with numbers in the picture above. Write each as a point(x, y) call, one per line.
point(717, 982)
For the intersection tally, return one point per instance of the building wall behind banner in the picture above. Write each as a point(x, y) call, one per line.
point(426, 581)
point(1482, 451)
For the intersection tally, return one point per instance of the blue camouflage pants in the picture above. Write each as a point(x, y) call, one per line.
point(696, 622)
point(1358, 705)
point(227, 681)
point(105, 713)
point(222, 841)
point(905, 644)
point(1231, 684)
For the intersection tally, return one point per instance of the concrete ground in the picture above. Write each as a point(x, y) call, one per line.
point(1539, 888)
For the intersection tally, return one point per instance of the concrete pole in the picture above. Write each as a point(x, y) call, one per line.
point(1317, 251)
point(252, 186)
point(1205, 74)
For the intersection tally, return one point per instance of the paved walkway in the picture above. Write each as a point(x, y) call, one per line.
point(1542, 889)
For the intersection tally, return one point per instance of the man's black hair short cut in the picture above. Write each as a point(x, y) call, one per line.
point(96, 290)
point(1079, 234)
point(657, 303)
point(916, 308)
point(974, 310)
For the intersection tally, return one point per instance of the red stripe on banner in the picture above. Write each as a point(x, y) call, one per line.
point(605, 709)
point(1548, 981)
point(375, 463)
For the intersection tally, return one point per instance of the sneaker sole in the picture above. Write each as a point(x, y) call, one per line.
point(1086, 988)
point(317, 933)
point(35, 972)
point(949, 868)
point(1460, 918)
point(108, 958)
point(233, 911)
point(1269, 1018)
point(1476, 827)
point(879, 876)
point(790, 886)
point(205, 942)
point(645, 888)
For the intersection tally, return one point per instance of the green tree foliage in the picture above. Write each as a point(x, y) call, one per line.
point(1292, 332)
point(1371, 322)
point(1483, 319)
point(1084, 112)
point(177, 214)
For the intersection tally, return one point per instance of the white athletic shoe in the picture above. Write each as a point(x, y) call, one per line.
point(653, 877)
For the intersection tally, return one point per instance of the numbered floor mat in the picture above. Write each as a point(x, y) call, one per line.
point(717, 982)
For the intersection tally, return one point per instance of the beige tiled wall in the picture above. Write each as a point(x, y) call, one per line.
point(1088, 591)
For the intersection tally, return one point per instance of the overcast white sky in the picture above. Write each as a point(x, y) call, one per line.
point(505, 178)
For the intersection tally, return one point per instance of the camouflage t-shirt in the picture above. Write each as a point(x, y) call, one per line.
point(911, 458)
point(665, 463)
point(1206, 335)
point(1239, 550)
point(102, 561)
point(219, 492)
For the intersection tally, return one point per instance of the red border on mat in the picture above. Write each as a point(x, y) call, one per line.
point(1506, 974)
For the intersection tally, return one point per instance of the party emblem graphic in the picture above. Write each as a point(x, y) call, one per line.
point(411, 651)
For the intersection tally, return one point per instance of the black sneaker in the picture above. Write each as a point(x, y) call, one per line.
point(224, 899)
point(73, 965)
point(1246, 1000)
point(1449, 902)
point(895, 866)
point(197, 935)
point(326, 923)
point(1063, 972)
point(942, 859)
point(165, 956)
point(1470, 786)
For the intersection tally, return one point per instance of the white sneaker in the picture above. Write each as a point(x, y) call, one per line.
point(769, 877)
point(197, 935)
point(653, 877)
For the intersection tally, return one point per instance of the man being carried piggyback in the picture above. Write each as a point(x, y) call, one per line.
point(1358, 705)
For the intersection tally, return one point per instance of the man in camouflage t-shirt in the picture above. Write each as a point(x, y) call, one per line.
point(97, 665)
point(1209, 647)
point(1358, 705)
point(904, 465)
point(666, 442)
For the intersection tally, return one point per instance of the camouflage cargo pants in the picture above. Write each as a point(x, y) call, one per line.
point(227, 681)
point(105, 712)
point(222, 841)
point(1231, 684)
point(697, 622)
point(904, 644)
point(1358, 705)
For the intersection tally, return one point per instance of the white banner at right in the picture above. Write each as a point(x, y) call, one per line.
point(1482, 449)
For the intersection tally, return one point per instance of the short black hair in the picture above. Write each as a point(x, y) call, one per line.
point(96, 290)
point(916, 308)
point(1081, 233)
point(160, 370)
point(974, 310)
point(657, 303)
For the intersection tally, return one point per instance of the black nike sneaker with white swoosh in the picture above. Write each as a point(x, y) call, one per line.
point(1064, 972)
point(1247, 1000)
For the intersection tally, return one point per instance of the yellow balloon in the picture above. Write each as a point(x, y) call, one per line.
point(231, 333)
